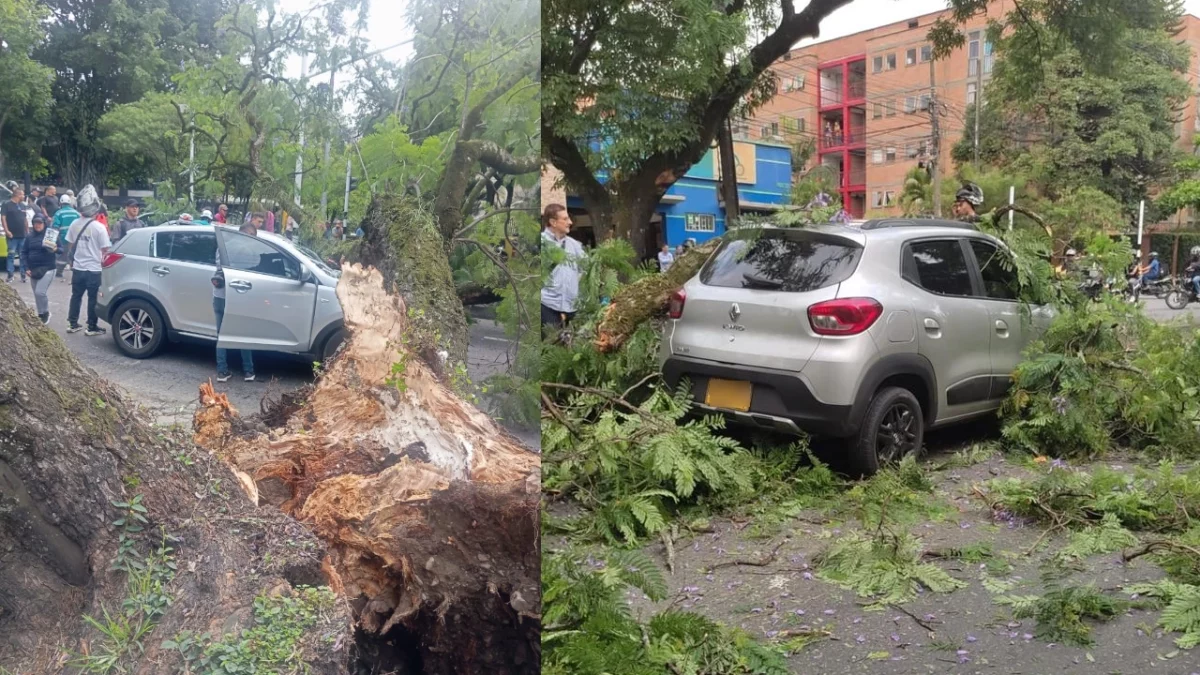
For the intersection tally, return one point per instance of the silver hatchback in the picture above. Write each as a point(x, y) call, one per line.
point(156, 286)
point(872, 333)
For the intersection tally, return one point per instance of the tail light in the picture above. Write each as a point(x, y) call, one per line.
point(111, 259)
point(846, 316)
point(675, 307)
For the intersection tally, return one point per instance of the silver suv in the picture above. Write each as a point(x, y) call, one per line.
point(156, 285)
point(872, 333)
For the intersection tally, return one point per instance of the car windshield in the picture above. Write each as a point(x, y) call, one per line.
point(312, 255)
point(794, 261)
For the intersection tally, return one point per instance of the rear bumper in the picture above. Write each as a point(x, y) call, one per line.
point(781, 400)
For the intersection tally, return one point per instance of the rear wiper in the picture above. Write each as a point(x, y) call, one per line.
point(749, 280)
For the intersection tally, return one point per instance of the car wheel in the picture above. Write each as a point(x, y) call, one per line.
point(332, 343)
point(138, 329)
point(892, 428)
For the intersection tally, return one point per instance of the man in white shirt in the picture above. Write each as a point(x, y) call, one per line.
point(560, 292)
point(665, 258)
point(89, 243)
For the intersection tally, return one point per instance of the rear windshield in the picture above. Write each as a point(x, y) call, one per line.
point(794, 261)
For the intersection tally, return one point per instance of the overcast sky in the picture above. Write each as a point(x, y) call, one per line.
point(866, 14)
point(386, 27)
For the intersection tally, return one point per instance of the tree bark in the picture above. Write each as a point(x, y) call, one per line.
point(647, 298)
point(403, 242)
point(430, 510)
point(71, 446)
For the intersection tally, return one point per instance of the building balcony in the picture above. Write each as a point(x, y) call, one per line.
point(831, 142)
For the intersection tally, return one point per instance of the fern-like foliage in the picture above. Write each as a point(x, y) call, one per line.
point(588, 628)
point(1181, 613)
point(1106, 537)
point(1062, 613)
point(886, 568)
point(629, 467)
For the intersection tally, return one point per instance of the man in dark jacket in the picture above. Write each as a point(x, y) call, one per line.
point(49, 202)
point(129, 222)
point(39, 265)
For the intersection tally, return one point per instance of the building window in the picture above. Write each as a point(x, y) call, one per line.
point(926, 53)
point(925, 101)
point(971, 93)
point(923, 148)
point(877, 199)
point(794, 125)
point(699, 222)
point(877, 156)
point(910, 57)
point(877, 64)
point(795, 83)
point(889, 198)
point(973, 53)
point(910, 104)
point(878, 111)
point(987, 58)
point(741, 126)
point(891, 154)
point(910, 150)
point(913, 23)
point(891, 108)
point(891, 61)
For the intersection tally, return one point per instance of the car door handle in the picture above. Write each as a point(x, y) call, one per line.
point(930, 324)
point(240, 286)
point(161, 271)
point(1001, 328)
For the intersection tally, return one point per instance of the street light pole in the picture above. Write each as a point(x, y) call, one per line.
point(300, 155)
point(346, 202)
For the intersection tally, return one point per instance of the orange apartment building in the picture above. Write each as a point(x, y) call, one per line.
point(864, 100)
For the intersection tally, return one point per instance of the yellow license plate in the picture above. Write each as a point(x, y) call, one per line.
point(728, 394)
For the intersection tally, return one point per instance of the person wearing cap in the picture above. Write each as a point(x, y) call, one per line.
point(130, 222)
point(206, 217)
point(63, 218)
point(68, 198)
point(222, 212)
point(39, 263)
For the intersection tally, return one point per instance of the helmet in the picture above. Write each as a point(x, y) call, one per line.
point(1196, 250)
point(185, 216)
point(1071, 252)
point(970, 193)
point(206, 213)
point(89, 202)
point(1153, 254)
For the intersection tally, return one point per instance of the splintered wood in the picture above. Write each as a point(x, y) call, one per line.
point(430, 509)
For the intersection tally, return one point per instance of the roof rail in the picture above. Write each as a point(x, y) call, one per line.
point(887, 223)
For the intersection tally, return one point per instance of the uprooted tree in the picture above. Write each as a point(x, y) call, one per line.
point(427, 510)
point(71, 451)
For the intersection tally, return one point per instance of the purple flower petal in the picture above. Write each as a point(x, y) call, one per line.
point(857, 619)
point(756, 610)
point(799, 612)
point(895, 638)
point(860, 639)
point(829, 611)
point(807, 575)
point(1028, 636)
point(971, 638)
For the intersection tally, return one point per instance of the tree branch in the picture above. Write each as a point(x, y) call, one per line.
point(500, 159)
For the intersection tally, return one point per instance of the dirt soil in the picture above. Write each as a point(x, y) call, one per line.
point(965, 631)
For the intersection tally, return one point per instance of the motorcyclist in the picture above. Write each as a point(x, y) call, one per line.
point(1192, 273)
point(967, 201)
point(1152, 271)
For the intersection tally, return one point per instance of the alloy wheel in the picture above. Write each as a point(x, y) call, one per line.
point(136, 329)
point(897, 434)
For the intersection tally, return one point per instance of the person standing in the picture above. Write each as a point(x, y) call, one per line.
point(560, 292)
point(269, 220)
point(222, 214)
point(88, 243)
point(218, 282)
point(129, 222)
point(50, 203)
point(15, 220)
point(665, 258)
point(39, 263)
point(63, 217)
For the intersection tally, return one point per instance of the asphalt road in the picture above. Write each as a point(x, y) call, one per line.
point(167, 384)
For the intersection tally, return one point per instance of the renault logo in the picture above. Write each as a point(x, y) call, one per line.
point(734, 312)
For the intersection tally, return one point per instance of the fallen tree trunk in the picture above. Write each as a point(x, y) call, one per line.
point(648, 297)
point(71, 450)
point(403, 242)
point(429, 509)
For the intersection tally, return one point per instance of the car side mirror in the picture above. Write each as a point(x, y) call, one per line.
point(306, 276)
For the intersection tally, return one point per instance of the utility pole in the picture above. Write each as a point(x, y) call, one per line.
point(935, 161)
point(325, 161)
point(346, 203)
point(729, 189)
point(300, 155)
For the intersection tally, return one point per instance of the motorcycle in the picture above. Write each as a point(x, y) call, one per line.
point(1179, 297)
point(1159, 287)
